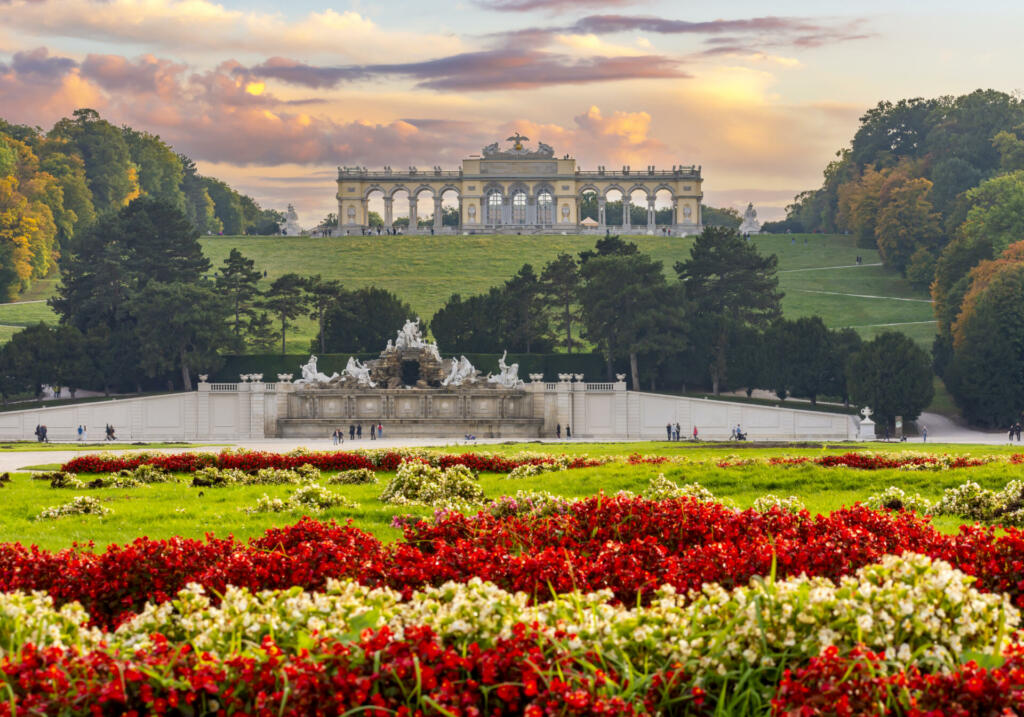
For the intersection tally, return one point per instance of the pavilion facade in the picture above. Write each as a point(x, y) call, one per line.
point(520, 190)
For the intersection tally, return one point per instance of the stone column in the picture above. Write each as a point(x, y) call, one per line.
point(257, 407)
point(650, 215)
point(459, 225)
point(203, 408)
point(438, 216)
point(627, 222)
point(365, 206)
point(413, 214)
point(388, 212)
point(676, 213)
point(600, 211)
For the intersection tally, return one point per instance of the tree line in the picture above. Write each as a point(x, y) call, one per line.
point(139, 306)
point(937, 185)
point(55, 184)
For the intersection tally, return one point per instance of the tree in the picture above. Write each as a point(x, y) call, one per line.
point(286, 300)
point(238, 282)
point(802, 357)
point(27, 358)
point(160, 171)
point(527, 321)
point(181, 327)
point(629, 308)
point(322, 295)
point(474, 325)
point(906, 221)
point(113, 178)
point(729, 284)
point(363, 320)
point(951, 276)
point(996, 211)
point(609, 246)
point(199, 207)
point(893, 376)
point(227, 206)
point(560, 282)
point(986, 374)
point(728, 217)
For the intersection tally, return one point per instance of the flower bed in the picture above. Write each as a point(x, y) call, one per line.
point(627, 545)
point(477, 649)
point(384, 460)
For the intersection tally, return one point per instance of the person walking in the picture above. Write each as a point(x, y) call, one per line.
point(924, 434)
point(373, 432)
point(380, 430)
point(695, 433)
point(558, 430)
point(351, 431)
point(668, 430)
point(85, 433)
point(359, 431)
point(568, 431)
point(679, 431)
point(341, 436)
point(79, 432)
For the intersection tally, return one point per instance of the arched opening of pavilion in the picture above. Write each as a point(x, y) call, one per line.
point(664, 210)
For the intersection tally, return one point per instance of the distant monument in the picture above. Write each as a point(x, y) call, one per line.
point(291, 223)
point(750, 225)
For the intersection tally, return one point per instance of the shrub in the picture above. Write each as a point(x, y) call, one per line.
point(416, 482)
point(792, 504)
point(354, 476)
point(79, 505)
point(893, 498)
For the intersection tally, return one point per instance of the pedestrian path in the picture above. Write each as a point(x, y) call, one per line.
point(824, 268)
point(898, 323)
point(863, 296)
point(27, 301)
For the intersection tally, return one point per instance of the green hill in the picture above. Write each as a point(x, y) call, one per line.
point(818, 273)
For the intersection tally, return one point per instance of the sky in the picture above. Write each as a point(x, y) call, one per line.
point(272, 97)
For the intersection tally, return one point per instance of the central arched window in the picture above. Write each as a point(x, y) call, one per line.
point(494, 208)
point(544, 208)
point(519, 208)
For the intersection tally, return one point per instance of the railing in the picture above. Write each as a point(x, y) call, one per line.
point(223, 386)
point(550, 386)
point(600, 386)
point(691, 172)
point(401, 174)
point(271, 387)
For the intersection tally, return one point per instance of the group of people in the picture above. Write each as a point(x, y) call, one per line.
point(674, 431)
point(1015, 430)
point(558, 431)
point(41, 433)
point(737, 434)
point(356, 433)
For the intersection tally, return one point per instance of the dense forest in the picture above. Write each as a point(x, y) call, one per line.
point(938, 186)
point(55, 184)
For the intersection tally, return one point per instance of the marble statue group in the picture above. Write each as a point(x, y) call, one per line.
point(410, 346)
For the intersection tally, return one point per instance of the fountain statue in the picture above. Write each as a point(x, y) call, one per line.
point(507, 376)
point(311, 376)
point(462, 372)
point(359, 371)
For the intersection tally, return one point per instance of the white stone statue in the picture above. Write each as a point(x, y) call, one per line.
point(291, 223)
point(750, 225)
point(359, 371)
point(508, 376)
point(409, 336)
point(462, 371)
point(310, 375)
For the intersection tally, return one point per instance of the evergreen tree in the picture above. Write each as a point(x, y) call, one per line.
point(321, 296)
point(893, 376)
point(729, 285)
point(181, 326)
point(560, 282)
point(364, 320)
point(238, 281)
point(629, 308)
point(286, 300)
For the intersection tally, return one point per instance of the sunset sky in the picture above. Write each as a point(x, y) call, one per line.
point(272, 96)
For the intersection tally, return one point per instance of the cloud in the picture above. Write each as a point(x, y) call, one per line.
point(146, 74)
point(487, 70)
point(552, 5)
point(39, 66)
point(721, 35)
point(191, 27)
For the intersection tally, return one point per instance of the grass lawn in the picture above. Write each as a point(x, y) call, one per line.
point(192, 512)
